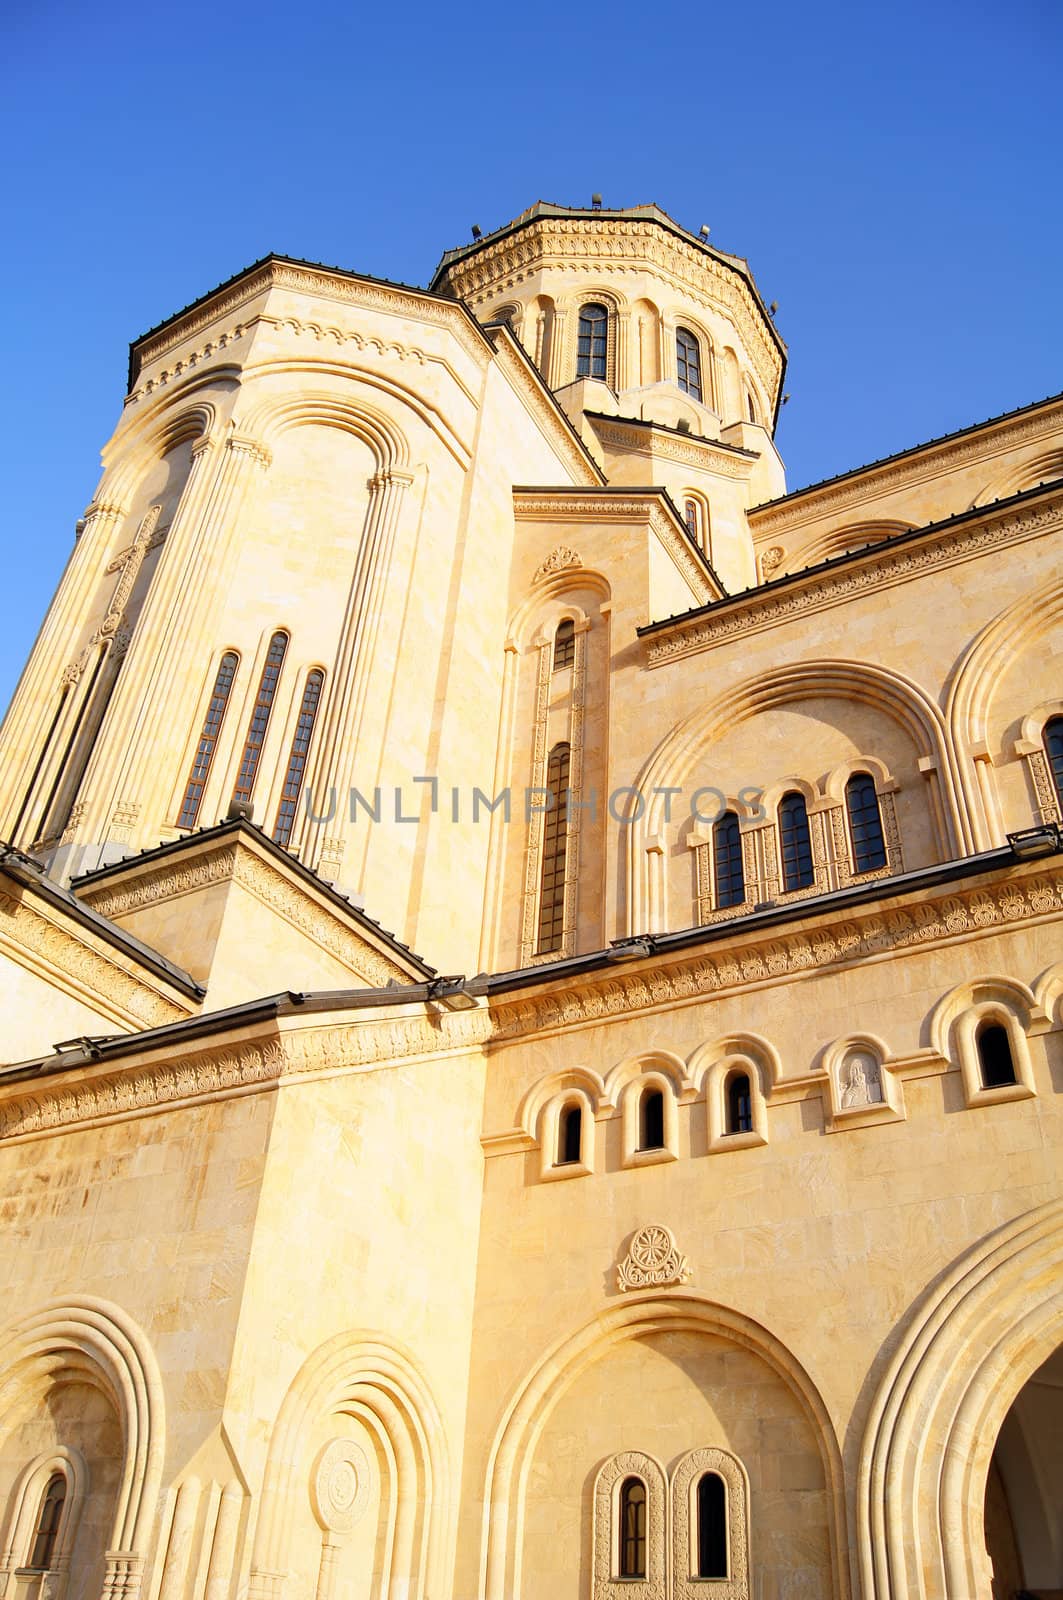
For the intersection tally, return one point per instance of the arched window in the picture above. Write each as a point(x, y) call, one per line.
point(293, 777)
point(739, 1104)
point(712, 1526)
point(570, 1135)
point(651, 1120)
point(865, 823)
point(593, 344)
point(692, 520)
point(256, 728)
point(555, 844)
point(565, 644)
point(48, 1519)
point(1053, 737)
point(632, 1528)
point(728, 875)
point(208, 741)
point(688, 363)
point(994, 1055)
point(795, 842)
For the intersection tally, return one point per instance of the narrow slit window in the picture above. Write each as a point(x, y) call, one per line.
point(48, 1519)
point(739, 1104)
point(296, 770)
point(712, 1526)
point(592, 346)
point(865, 823)
point(564, 644)
point(1053, 737)
point(256, 728)
point(994, 1055)
point(795, 843)
point(632, 1528)
point(751, 406)
point(692, 520)
point(651, 1120)
point(555, 844)
point(688, 363)
point(728, 875)
point(208, 741)
point(570, 1136)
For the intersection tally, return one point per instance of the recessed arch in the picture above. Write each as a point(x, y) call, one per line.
point(362, 1370)
point(530, 1408)
point(98, 1338)
point(977, 677)
point(967, 1347)
point(272, 415)
point(674, 761)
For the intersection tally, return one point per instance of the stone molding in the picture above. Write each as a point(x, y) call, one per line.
point(879, 568)
point(690, 453)
point(34, 1108)
point(926, 461)
point(619, 245)
point(290, 900)
point(115, 990)
point(568, 507)
point(861, 935)
point(320, 282)
point(553, 425)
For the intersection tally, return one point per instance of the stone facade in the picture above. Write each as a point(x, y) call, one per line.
point(706, 1243)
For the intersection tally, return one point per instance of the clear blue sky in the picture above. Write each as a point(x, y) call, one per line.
point(892, 173)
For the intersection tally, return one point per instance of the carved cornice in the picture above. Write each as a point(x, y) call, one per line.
point(881, 567)
point(89, 1094)
point(239, 864)
point(929, 461)
point(689, 452)
point(322, 284)
point(785, 954)
point(89, 967)
point(101, 1093)
point(620, 246)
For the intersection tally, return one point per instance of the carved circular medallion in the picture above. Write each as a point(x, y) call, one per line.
point(651, 1247)
point(339, 1488)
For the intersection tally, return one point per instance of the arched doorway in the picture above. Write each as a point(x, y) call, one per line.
point(1023, 1510)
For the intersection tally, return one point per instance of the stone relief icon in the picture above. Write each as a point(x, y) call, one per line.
point(652, 1259)
point(861, 1083)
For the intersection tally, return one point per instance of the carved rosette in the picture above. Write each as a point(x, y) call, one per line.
point(341, 1485)
point(652, 1260)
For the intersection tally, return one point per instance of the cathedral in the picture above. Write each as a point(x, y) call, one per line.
point(531, 954)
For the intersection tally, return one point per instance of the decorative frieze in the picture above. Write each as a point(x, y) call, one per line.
point(927, 461)
point(878, 570)
point(690, 452)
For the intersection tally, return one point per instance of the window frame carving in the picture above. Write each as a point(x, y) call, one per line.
point(550, 1168)
point(26, 1506)
point(682, 360)
point(686, 1475)
point(702, 841)
point(965, 1032)
point(631, 1120)
point(607, 1584)
point(1032, 748)
point(716, 1081)
point(842, 866)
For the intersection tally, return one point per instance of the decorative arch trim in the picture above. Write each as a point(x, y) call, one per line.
point(531, 1406)
point(967, 1348)
point(361, 1368)
point(102, 1338)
